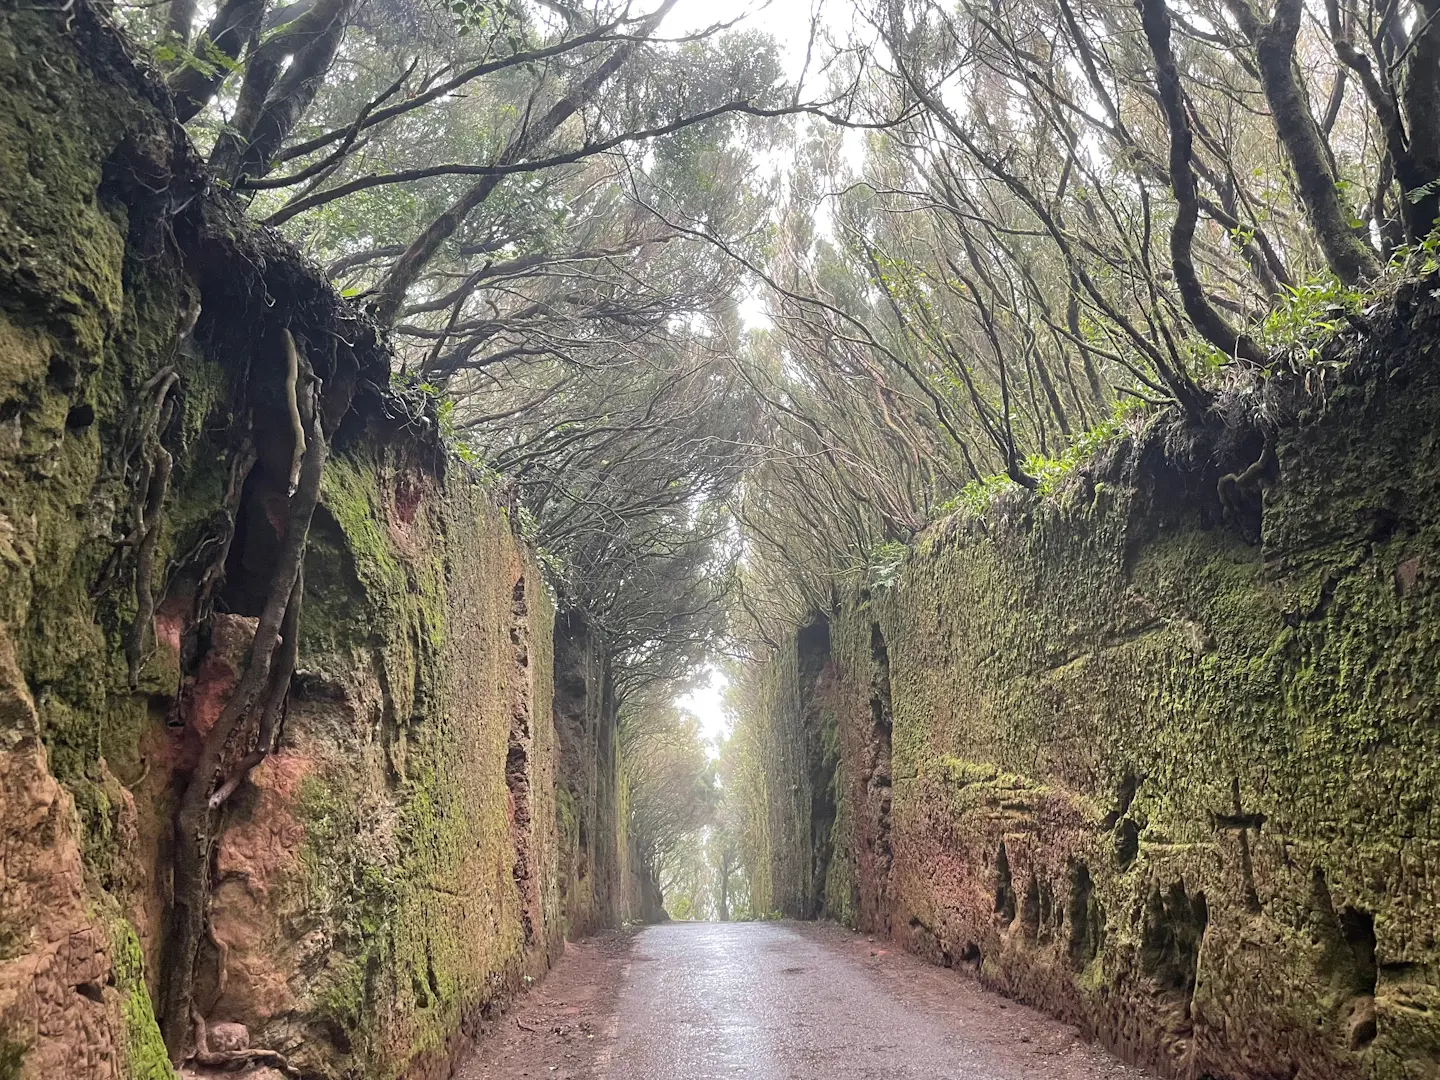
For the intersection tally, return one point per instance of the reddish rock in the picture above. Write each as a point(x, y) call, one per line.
point(55, 999)
point(228, 1038)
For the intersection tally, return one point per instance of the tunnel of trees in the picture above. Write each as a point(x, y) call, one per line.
point(733, 333)
point(732, 320)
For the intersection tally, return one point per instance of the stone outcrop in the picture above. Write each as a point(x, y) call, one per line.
point(1157, 751)
point(386, 879)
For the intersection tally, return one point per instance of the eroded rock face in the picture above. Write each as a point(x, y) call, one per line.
point(228, 1038)
point(57, 996)
point(603, 880)
point(254, 965)
point(390, 875)
point(1163, 772)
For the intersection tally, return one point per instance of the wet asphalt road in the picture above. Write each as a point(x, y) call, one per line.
point(786, 1001)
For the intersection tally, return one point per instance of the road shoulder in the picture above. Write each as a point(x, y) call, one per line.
point(564, 1027)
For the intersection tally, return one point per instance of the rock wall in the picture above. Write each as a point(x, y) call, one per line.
point(390, 876)
point(788, 778)
point(603, 881)
point(590, 823)
point(86, 317)
point(1158, 753)
point(393, 873)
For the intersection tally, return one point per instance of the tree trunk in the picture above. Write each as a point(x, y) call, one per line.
point(1212, 325)
point(195, 818)
point(311, 41)
point(1409, 117)
point(292, 97)
point(1349, 257)
point(1420, 102)
point(179, 20)
point(234, 25)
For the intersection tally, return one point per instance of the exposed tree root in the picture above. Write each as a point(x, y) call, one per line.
point(1241, 496)
point(274, 698)
point(154, 486)
point(1229, 486)
point(241, 462)
point(292, 403)
point(234, 1060)
point(207, 789)
point(239, 1059)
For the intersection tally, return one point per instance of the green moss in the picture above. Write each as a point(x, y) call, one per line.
point(567, 836)
point(207, 391)
point(566, 816)
point(400, 599)
point(55, 134)
point(340, 993)
point(410, 872)
point(1117, 677)
point(412, 587)
point(87, 321)
point(146, 1057)
point(1092, 979)
point(351, 493)
point(348, 890)
point(963, 774)
point(12, 1058)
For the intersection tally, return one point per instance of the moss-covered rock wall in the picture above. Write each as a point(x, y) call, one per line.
point(589, 812)
point(389, 877)
point(85, 320)
point(788, 777)
point(383, 881)
point(1159, 755)
point(602, 880)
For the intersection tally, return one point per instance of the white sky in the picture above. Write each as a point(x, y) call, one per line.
point(789, 22)
point(707, 703)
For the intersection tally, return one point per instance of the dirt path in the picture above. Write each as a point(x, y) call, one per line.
point(773, 1001)
point(562, 1028)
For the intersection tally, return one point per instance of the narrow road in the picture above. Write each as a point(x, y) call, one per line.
point(774, 1001)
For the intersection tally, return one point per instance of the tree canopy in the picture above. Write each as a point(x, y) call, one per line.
point(731, 335)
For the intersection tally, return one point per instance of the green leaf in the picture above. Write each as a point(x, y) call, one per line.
point(1424, 191)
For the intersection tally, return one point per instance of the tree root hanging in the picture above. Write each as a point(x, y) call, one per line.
point(150, 418)
point(274, 699)
point(1240, 493)
point(292, 404)
point(1229, 486)
point(150, 495)
point(222, 534)
point(196, 819)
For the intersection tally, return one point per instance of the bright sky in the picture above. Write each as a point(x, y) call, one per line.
point(707, 703)
point(789, 21)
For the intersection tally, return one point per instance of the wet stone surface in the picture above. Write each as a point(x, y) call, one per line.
point(774, 1001)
